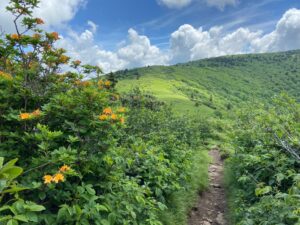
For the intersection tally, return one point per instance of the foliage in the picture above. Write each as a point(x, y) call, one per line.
point(90, 156)
point(265, 168)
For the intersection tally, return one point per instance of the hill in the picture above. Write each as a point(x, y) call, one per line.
point(218, 84)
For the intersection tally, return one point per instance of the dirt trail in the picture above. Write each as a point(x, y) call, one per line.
point(211, 207)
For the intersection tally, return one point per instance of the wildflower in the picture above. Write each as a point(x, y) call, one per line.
point(36, 113)
point(25, 116)
point(122, 110)
point(114, 117)
point(103, 117)
point(47, 179)
point(77, 62)
point(107, 83)
point(36, 36)
point(39, 21)
point(63, 59)
point(100, 82)
point(54, 35)
point(122, 120)
point(59, 177)
point(14, 36)
point(6, 76)
point(107, 111)
point(64, 168)
point(86, 83)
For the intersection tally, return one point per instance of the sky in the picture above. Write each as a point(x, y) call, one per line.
point(119, 34)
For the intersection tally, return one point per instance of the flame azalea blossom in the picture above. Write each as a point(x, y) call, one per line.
point(122, 120)
point(14, 36)
point(55, 35)
point(47, 179)
point(63, 59)
point(107, 111)
point(64, 168)
point(39, 21)
point(103, 117)
point(25, 116)
point(107, 83)
point(59, 177)
point(6, 76)
point(36, 113)
point(114, 117)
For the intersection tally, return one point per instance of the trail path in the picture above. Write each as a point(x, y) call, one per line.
point(211, 207)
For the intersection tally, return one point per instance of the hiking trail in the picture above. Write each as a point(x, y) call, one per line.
point(211, 206)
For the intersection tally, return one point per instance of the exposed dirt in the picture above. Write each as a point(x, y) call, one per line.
point(211, 207)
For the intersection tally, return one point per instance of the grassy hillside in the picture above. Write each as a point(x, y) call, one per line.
point(217, 84)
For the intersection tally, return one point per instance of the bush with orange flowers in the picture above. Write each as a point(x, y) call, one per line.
point(90, 156)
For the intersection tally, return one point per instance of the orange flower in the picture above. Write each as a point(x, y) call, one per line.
point(64, 168)
point(55, 35)
point(103, 117)
point(6, 76)
point(122, 110)
point(15, 36)
point(107, 83)
point(107, 111)
point(36, 113)
point(59, 177)
point(39, 21)
point(114, 117)
point(77, 62)
point(63, 59)
point(36, 36)
point(122, 120)
point(47, 179)
point(25, 116)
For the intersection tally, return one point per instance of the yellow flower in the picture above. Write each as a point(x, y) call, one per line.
point(122, 110)
point(100, 82)
point(59, 177)
point(103, 117)
point(36, 36)
point(47, 179)
point(107, 83)
point(122, 120)
point(6, 76)
point(15, 36)
point(114, 117)
point(63, 59)
point(107, 111)
point(25, 116)
point(64, 168)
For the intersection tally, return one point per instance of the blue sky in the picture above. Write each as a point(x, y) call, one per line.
point(115, 17)
point(119, 34)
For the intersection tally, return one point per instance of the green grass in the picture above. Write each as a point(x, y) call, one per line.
point(182, 202)
point(208, 86)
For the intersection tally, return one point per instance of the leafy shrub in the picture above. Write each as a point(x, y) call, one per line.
point(266, 164)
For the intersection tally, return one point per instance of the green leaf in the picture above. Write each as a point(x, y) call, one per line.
point(22, 218)
point(263, 191)
point(12, 222)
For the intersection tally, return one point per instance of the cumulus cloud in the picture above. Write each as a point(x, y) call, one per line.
point(174, 3)
point(136, 51)
point(189, 43)
point(221, 4)
point(54, 12)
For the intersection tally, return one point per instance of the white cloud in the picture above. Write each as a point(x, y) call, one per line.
point(54, 13)
point(189, 43)
point(221, 4)
point(136, 51)
point(174, 3)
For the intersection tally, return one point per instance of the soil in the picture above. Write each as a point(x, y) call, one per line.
point(211, 206)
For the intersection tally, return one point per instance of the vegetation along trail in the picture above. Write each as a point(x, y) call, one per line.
point(211, 206)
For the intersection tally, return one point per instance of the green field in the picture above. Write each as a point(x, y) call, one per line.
point(218, 84)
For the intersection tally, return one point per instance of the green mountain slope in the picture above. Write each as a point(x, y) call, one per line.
point(218, 84)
